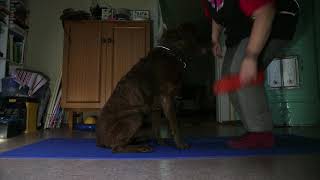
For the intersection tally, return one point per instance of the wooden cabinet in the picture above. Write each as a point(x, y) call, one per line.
point(96, 55)
point(82, 66)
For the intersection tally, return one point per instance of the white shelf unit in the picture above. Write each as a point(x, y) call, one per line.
point(17, 36)
point(12, 39)
point(4, 29)
point(3, 40)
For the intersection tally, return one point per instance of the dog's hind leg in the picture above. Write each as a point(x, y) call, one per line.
point(123, 133)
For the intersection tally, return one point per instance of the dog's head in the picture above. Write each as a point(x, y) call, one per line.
point(182, 40)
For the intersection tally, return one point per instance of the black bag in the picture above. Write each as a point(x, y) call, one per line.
point(286, 19)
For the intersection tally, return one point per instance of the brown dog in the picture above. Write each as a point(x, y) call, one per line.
point(159, 74)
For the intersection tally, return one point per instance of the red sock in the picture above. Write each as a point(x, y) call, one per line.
point(256, 140)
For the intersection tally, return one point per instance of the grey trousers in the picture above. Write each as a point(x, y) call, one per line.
point(251, 102)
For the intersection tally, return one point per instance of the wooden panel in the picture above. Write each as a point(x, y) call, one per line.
point(96, 55)
point(82, 65)
point(107, 54)
point(131, 42)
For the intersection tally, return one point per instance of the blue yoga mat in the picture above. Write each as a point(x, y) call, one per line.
point(63, 148)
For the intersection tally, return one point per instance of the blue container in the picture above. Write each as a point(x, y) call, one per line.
point(85, 127)
point(9, 87)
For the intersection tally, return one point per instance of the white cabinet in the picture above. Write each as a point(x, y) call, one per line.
point(274, 74)
point(290, 72)
point(283, 73)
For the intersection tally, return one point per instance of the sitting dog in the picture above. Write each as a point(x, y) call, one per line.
point(159, 74)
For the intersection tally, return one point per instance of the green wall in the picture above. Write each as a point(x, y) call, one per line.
point(293, 107)
point(301, 106)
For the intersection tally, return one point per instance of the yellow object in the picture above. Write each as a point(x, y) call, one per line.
point(90, 120)
point(12, 100)
point(31, 120)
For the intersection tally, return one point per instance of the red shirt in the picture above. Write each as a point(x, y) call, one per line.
point(249, 6)
point(246, 6)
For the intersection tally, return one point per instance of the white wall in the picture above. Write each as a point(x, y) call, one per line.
point(45, 38)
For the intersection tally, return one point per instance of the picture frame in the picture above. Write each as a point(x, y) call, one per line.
point(106, 13)
point(137, 15)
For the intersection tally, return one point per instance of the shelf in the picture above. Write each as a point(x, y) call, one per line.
point(18, 1)
point(3, 24)
point(4, 10)
point(11, 62)
point(12, 36)
point(17, 30)
point(15, 64)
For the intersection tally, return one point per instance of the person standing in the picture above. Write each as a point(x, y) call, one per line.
point(255, 32)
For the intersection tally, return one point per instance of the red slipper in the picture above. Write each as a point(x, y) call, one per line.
point(232, 83)
point(259, 140)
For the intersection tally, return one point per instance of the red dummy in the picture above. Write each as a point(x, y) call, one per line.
point(232, 83)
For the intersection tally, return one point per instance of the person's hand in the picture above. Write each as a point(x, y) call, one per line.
point(248, 71)
point(216, 49)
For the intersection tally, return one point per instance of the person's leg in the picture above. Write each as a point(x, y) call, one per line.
point(228, 63)
point(251, 102)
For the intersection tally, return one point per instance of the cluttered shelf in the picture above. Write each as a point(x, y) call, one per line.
point(17, 115)
point(24, 99)
point(105, 12)
point(4, 10)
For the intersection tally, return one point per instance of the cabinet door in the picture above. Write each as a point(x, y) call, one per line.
point(127, 42)
point(82, 66)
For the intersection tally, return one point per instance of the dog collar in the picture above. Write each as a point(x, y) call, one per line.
point(180, 59)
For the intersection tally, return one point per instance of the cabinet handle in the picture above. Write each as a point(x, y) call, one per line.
point(107, 40)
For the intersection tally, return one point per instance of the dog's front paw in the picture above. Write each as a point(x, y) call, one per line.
point(144, 149)
point(183, 146)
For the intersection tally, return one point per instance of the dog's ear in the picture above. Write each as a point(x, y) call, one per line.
point(162, 30)
point(164, 27)
point(166, 34)
point(169, 36)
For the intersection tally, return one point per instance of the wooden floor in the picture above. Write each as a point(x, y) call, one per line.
point(294, 167)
